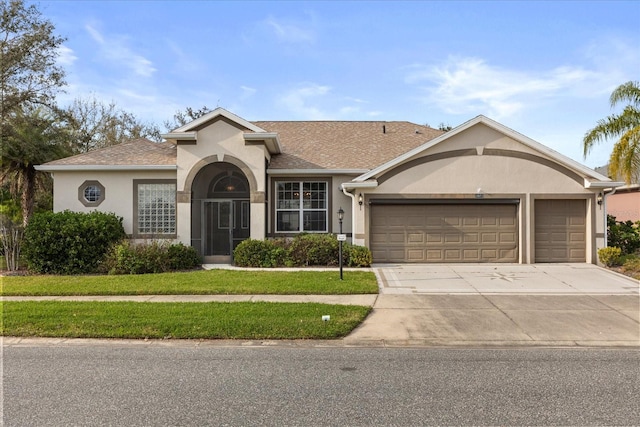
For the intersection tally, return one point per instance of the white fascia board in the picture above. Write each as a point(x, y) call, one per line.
point(315, 171)
point(566, 161)
point(54, 168)
point(215, 113)
point(602, 184)
point(271, 140)
point(180, 136)
point(354, 185)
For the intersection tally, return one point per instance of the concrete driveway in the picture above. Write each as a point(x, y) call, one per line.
point(502, 305)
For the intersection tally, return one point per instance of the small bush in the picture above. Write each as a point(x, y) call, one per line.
point(260, 253)
point(154, 257)
point(359, 256)
point(304, 250)
point(70, 242)
point(314, 249)
point(610, 256)
point(182, 257)
point(632, 265)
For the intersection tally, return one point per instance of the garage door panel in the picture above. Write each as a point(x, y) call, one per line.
point(560, 230)
point(449, 233)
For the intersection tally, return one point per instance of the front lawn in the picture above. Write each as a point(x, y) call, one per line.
point(212, 282)
point(250, 320)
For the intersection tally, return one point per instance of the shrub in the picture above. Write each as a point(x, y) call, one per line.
point(154, 257)
point(632, 265)
point(260, 253)
point(314, 249)
point(610, 256)
point(624, 235)
point(70, 242)
point(359, 256)
point(183, 257)
point(303, 250)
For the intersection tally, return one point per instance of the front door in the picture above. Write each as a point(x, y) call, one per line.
point(225, 223)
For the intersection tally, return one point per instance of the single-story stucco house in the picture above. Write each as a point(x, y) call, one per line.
point(480, 192)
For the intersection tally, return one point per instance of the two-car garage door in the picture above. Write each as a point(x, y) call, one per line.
point(476, 232)
point(444, 233)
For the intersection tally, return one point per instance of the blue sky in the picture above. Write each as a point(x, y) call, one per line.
point(545, 69)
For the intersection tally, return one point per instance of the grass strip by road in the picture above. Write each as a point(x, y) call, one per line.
point(201, 282)
point(240, 320)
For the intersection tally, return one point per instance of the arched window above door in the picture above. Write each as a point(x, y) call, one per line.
point(228, 185)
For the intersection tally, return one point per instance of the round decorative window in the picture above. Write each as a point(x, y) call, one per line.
point(91, 193)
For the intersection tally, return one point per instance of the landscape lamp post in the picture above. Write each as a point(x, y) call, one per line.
point(340, 218)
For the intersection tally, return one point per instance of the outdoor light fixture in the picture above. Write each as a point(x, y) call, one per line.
point(340, 218)
point(360, 199)
point(599, 199)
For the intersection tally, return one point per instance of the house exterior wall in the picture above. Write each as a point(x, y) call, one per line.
point(118, 187)
point(625, 206)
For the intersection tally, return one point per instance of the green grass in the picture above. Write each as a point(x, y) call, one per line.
point(213, 282)
point(251, 320)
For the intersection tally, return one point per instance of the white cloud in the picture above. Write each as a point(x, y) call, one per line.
point(66, 56)
point(117, 52)
point(288, 32)
point(297, 101)
point(247, 92)
point(471, 86)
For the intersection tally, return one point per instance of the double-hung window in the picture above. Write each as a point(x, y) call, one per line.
point(155, 208)
point(301, 206)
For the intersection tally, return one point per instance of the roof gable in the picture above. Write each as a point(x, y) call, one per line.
point(215, 115)
point(587, 173)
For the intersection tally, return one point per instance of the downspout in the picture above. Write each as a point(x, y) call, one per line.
point(604, 204)
point(353, 212)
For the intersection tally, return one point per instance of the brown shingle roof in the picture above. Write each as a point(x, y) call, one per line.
point(305, 145)
point(344, 145)
point(136, 152)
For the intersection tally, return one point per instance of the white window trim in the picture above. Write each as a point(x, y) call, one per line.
point(301, 210)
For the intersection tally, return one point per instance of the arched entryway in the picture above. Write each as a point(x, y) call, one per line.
point(220, 211)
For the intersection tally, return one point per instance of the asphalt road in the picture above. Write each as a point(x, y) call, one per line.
point(136, 385)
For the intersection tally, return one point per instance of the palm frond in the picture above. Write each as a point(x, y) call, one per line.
point(627, 92)
point(625, 156)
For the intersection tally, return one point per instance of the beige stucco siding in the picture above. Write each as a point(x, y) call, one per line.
point(221, 139)
point(491, 174)
point(118, 187)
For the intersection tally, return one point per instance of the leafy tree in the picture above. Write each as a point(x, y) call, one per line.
point(35, 137)
point(93, 124)
point(181, 118)
point(625, 156)
point(28, 53)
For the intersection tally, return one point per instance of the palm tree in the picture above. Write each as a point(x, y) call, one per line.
point(625, 156)
point(31, 136)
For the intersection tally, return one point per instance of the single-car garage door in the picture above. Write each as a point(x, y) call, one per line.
point(444, 232)
point(560, 230)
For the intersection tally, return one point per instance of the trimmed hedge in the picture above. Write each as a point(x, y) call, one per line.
point(154, 257)
point(70, 242)
point(304, 250)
